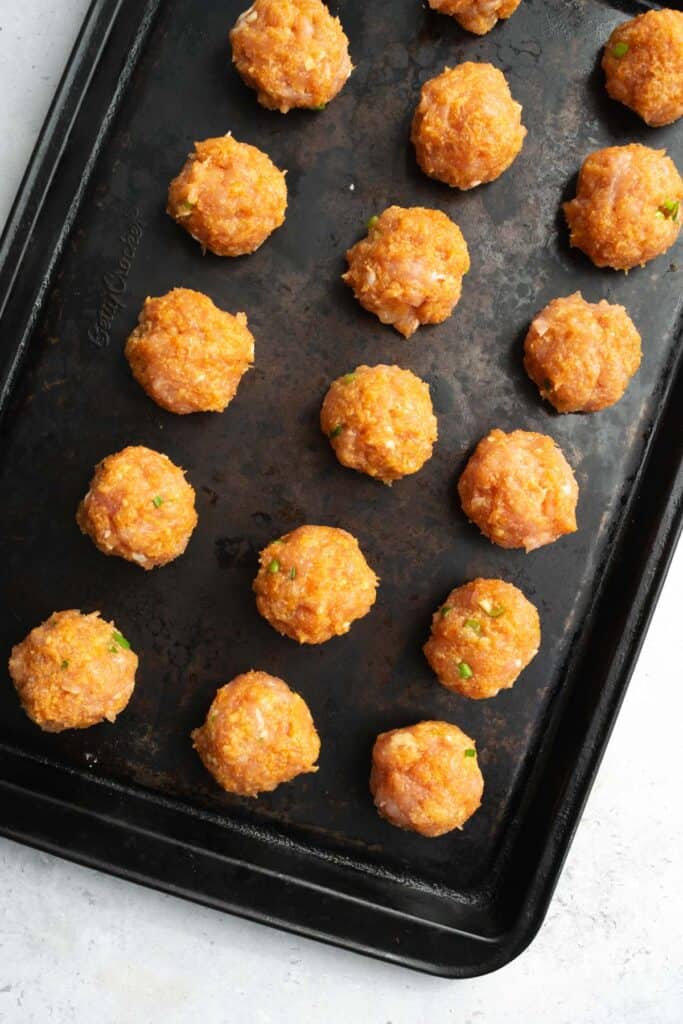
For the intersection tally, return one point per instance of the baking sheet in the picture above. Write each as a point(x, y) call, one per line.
point(263, 467)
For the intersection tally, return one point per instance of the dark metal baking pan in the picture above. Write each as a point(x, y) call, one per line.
point(87, 241)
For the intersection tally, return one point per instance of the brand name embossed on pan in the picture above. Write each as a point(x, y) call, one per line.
point(114, 285)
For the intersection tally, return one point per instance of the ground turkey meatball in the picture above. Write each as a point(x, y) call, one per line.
point(426, 778)
point(257, 735)
point(519, 489)
point(73, 671)
point(409, 269)
point(482, 637)
point(139, 507)
point(380, 421)
point(292, 52)
point(580, 354)
point(188, 355)
point(478, 16)
point(643, 65)
point(627, 206)
point(229, 196)
point(313, 583)
point(467, 128)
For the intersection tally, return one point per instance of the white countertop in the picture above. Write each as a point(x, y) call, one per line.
point(79, 946)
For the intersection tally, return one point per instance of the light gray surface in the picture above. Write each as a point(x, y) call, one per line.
point(79, 946)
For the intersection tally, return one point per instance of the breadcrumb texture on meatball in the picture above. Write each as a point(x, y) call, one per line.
point(627, 206)
point(139, 507)
point(188, 355)
point(380, 421)
point(313, 583)
point(409, 269)
point(477, 16)
point(483, 635)
point(73, 671)
point(426, 778)
point(643, 65)
point(580, 354)
point(258, 734)
point(229, 196)
point(292, 52)
point(467, 128)
point(519, 489)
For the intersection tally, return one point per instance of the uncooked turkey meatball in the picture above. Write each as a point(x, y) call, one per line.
point(380, 421)
point(139, 507)
point(467, 128)
point(292, 52)
point(519, 489)
point(409, 269)
point(478, 16)
point(426, 778)
point(188, 355)
point(73, 671)
point(580, 354)
point(313, 583)
point(643, 65)
point(627, 206)
point(258, 734)
point(483, 635)
point(229, 196)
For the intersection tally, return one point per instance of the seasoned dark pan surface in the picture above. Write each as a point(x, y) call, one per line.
point(263, 467)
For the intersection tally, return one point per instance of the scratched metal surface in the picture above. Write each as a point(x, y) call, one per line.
point(263, 467)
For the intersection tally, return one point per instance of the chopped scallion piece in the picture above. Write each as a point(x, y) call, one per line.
point(119, 638)
point(474, 625)
point(185, 208)
point(669, 209)
point(348, 377)
point(292, 573)
point(65, 664)
point(470, 752)
point(320, 107)
point(274, 566)
point(620, 50)
point(372, 222)
point(157, 501)
point(464, 670)
point(337, 430)
point(444, 610)
point(494, 611)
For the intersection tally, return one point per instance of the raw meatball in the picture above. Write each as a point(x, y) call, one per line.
point(292, 52)
point(478, 16)
point(643, 65)
point(467, 128)
point(380, 421)
point(409, 269)
point(313, 583)
point(139, 507)
point(426, 778)
point(188, 355)
point(626, 209)
point(229, 196)
point(257, 735)
point(582, 354)
point(73, 671)
point(519, 489)
point(482, 637)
